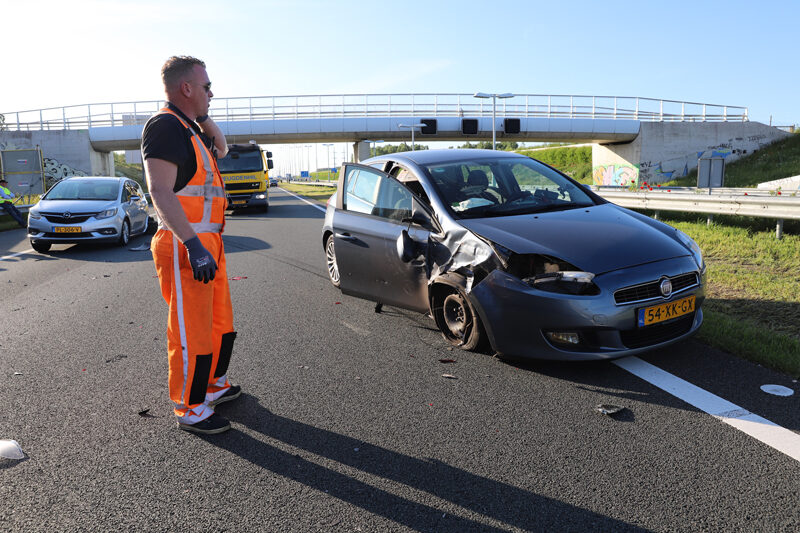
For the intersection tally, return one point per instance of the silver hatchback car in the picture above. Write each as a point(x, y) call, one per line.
point(88, 209)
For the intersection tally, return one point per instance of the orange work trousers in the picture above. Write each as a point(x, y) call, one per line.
point(200, 326)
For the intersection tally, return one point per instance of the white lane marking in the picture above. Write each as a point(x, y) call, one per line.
point(16, 254)
point(770, 433)
point(312, 204)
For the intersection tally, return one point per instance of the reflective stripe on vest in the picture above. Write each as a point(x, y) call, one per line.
point(202, 185)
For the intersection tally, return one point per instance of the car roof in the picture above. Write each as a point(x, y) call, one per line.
point(427, 157)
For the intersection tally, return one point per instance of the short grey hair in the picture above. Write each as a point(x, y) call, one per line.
point(176, 68)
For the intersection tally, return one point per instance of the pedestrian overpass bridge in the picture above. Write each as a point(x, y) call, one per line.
point(632, 138)
point(389, 117)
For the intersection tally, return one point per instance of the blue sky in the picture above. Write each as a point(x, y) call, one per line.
point(732, 53)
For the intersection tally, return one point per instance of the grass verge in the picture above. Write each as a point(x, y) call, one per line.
point(313, 192)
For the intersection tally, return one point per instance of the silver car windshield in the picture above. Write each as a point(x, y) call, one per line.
point(104, 190)
point(505, 186)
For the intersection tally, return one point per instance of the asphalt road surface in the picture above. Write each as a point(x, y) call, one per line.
point(347, 423)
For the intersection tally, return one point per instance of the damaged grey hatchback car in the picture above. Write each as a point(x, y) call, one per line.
point(500, 248)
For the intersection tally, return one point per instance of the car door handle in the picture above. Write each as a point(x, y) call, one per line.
point(345, 237)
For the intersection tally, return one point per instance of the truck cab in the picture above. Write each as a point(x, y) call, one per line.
point(245, 171)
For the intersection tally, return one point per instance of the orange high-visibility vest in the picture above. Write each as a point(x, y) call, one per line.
point(203, 198)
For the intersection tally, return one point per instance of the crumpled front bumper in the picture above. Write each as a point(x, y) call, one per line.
point(516, 316)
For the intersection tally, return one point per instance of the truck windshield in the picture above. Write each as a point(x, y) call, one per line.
point(241, 162)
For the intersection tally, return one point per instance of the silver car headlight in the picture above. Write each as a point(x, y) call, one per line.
point(108, 213)
point(697, 253)
point(34, 214)
point(551, 274)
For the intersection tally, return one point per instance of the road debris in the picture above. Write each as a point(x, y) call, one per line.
point(141, 248)
point(10, 449)
point(449, 376)
point(608, 409)
point(447, 360)
point(146, 413)
point(237, 278)
point(777, 390)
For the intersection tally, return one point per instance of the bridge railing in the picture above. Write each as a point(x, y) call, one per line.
point(422, 105)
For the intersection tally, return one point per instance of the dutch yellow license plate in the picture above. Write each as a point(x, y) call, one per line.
point(660, 313)
point(235, 202)
point(67, 229)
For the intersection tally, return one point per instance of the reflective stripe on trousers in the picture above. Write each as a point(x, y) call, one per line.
point(200, 325)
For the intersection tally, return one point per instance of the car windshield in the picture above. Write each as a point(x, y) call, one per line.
point(503, 186)
point(101, 190)
point(241, 162)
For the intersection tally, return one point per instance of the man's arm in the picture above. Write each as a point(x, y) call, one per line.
point(212, 131)
point(161, 176)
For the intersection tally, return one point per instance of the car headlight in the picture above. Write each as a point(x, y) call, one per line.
point(697, 253)
point(34, 214)
point(550, 274)
point(108, 213)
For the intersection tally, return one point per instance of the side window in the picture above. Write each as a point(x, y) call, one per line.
point(394, 201)
point(411, 183)
point(372, 193)
point(361, 190)
point(126, 193)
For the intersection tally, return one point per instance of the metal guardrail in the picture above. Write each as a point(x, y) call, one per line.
point(723, 201)
point(370, 105)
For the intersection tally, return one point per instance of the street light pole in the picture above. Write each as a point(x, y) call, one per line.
point(413, 128)
point(329, 158)
point(494, 97)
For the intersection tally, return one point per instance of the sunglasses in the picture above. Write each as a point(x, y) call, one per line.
point(206, 86)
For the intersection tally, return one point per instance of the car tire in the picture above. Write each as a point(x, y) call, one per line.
point(124, 233)
point(41, 247)
point(265, 209)
point(457, 320)
point(330, 260)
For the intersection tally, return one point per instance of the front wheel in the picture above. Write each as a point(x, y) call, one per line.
point(41, 247)
point(124, 233)
point(457, 320)
point(330, 260)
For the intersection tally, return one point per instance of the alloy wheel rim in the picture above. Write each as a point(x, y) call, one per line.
point(333, 270)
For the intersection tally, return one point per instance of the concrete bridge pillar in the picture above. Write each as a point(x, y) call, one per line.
point(360, 151)
point(65, 153)
point(664, 151)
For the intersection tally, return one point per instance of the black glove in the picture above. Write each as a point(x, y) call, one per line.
point(203, 264)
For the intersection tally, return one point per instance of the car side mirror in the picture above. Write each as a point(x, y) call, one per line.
point(405, 247)
point(419, 218)
point(135, 198)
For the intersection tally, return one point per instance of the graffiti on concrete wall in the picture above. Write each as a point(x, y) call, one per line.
point(624, 175)
point(54, 171)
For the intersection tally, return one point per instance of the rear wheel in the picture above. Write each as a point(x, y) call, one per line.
point(330, 259)
point(41, 247)
point(124, 233)
point(456, 319)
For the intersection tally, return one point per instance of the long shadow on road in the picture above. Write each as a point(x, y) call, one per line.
point(510, 505)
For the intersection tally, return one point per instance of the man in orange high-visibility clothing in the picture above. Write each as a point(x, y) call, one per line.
point(180, 147)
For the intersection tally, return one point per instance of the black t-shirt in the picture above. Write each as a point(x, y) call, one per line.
point(164, 137)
